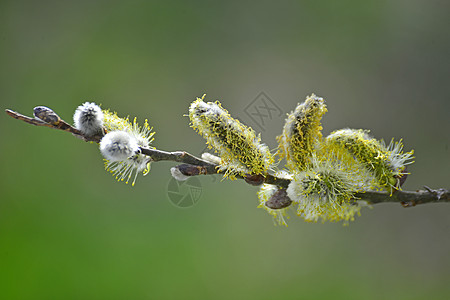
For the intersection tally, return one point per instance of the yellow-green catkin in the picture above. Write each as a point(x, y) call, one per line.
point(386, 163)
point(143, 135)
point(325, 191)
point(302, 133)
point(239, 148)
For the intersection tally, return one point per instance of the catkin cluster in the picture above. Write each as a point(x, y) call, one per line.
point(325, 173)
point(121, 140)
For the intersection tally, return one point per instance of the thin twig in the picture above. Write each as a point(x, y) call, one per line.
point(193, 166)
point(178, 156)
point(407, 198)
point(61, 125)
point(190, 169)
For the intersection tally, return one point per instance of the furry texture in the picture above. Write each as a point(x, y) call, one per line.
point(142, 135)
point(88, 118)
point(118, 146)
point(302, 133)
point(386, 163)
point(239, 148)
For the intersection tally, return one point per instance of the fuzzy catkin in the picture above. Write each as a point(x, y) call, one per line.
point(142, 135)
point(118, 146)
point(239, 148)
point(88, 118)
point(302, 133)
point(325, 191)
point(386, 163)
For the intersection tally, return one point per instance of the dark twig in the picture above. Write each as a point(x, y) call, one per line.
point(178, 156)
point(252, 179)
point(407, 198)
point(61, 125)
point(193, 166)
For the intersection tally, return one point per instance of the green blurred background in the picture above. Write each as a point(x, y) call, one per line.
point(69, 231)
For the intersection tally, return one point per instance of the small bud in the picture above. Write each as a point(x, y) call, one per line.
point(302, 133)
point(88, 118)
point(265, 195)
point(118, 146)
point(178, 175)
point(46, 114)
point(191, 170)
point(279, 200)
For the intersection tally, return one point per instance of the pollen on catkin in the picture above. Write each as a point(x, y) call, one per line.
point(302, 133)
point(88, 118)
point(239, 148)
point(324, 191)
point(141, 135)
point(386, 163)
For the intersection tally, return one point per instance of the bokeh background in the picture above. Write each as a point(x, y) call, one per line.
point(69, 231)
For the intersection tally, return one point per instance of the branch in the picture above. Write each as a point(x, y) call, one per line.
point(193, 166)
point(407, 198)
point(60, 125)
point(178, 156)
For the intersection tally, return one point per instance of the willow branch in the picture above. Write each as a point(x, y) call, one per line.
point(178, 156)
point(193, 166)
point(60, 125)
point(407, 198)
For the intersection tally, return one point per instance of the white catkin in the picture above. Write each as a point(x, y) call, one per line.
point(211, 158)
point(118, 146)
point(88, 118)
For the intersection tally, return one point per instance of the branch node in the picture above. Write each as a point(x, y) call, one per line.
point(440, 194)
point(406, 204)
